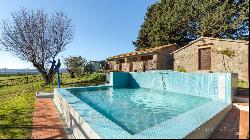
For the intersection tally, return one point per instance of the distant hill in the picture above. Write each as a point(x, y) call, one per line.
point(24, 71)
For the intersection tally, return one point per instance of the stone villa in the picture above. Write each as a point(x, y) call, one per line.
point(199, 55)
point(143, 60)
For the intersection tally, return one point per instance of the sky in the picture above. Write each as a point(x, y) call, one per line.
point(103, 28)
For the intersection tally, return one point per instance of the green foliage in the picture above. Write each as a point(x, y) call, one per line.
point(16, 117)
point(181, 21)
point(75, 65)
point(19, 79)
point(16, 107)
point(17, 102)
point(104, 65)
point(85, 80)
point(8, 75)
point(225, 52)
point(243, 84)
point(88, 68)
point(181, 69)
point(56, 81)
point(97, 77)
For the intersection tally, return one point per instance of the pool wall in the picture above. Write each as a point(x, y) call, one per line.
point(217, 86)
point(207, 128)
point(70, 107)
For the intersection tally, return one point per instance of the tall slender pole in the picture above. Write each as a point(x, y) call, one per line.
point(58, 76)
point(57, 71)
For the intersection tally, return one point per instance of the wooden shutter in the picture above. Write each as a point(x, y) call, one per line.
point(205, 59)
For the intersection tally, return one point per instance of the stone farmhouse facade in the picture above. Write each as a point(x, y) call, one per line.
point(157, 58)
point(200, 55)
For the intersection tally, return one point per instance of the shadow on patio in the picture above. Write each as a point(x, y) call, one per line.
point(235, 125)
point(46, 122)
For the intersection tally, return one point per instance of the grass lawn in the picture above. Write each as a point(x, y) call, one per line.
point(8, 80)
point(17, 103)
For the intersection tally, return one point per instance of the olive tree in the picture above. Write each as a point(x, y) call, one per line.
point(88, 68)
point(75, 65)
point(37, 37)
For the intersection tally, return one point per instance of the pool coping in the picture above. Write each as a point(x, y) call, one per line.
point(85, 126)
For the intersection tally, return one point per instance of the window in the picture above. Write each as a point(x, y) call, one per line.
point(133, 59)
point(120, 61)
point(147, 57)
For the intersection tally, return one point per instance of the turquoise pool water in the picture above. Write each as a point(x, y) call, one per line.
point(136, 109)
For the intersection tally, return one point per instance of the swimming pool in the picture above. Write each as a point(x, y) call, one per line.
point(132, 106)
point(127, 107)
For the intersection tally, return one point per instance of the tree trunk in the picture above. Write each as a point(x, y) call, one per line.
point(48, 79)
point(72, 75)
point(47, 76)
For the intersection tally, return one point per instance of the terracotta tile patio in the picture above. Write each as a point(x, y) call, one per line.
point(235, 125)
point(46, 123)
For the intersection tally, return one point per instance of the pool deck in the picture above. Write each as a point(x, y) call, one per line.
point(47, 125)
point(46, 122)
point(235, 125)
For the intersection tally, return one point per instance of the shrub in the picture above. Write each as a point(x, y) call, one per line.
point(97, 77)
point(181, 69)
point(56, 81)
point(243, 84)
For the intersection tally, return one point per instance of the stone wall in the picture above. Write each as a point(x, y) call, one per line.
point(152, 64)
point(188, 57)
point(137, 66)
point(113, 66)
point(165, 59)
point(149, 64)
point(162, 59)
point(125, 66)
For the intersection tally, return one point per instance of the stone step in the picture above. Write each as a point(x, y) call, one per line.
point(243, 92)
point(241, 99)
point(243, 107)
point(44, 95)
